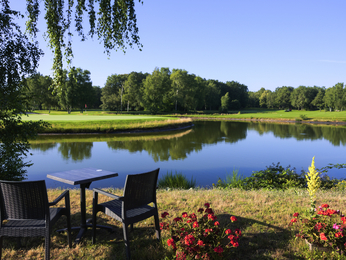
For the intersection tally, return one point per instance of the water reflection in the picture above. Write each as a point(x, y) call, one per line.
point(177, 146)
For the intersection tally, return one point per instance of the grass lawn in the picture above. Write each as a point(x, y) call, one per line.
point(275, 114)
point(103, 123)
point(263, 217)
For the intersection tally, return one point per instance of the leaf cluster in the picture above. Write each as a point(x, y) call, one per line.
point(273, 177)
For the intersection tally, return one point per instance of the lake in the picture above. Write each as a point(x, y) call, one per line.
point(208, 151)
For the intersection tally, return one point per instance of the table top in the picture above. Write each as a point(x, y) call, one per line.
point(81, 176)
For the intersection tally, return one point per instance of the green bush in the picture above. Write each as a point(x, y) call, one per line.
point(233, 180)
point(303, 117)
point(176, 181)
point(276, 177)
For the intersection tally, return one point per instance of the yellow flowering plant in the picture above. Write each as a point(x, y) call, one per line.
point(314, 183)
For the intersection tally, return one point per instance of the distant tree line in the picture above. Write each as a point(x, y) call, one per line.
point(302, 97)
point(169, 91)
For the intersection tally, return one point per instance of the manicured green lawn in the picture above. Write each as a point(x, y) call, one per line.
point(277, 115)
point(87, 117)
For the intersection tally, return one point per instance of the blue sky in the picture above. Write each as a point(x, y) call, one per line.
point(264, 43)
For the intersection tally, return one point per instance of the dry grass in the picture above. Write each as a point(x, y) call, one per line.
point(263, 217)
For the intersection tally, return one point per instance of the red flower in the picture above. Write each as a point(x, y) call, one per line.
point(217, 223)
point(193, 216)
point(189, 221)
point(170, 242)
point(177, 219)
point(164, 214)
point(233, 218)
point(180, 255)
point(323, 237)
point(207, 205)
point(200, 210)
point(339, 234)
point(228, 231)
point(200, 243)
point(164, 225)
point(325, 206)
point(189, 239)
point(209, 211)
point(195, 224)
point(218, 249)
point(293, 220)
point(296, 214)
point(184, 215)
point(237, 232)
point(212, 217)
point(235, 244)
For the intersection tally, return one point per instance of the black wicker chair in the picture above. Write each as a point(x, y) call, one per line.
point(132, 207)
point(25, 211)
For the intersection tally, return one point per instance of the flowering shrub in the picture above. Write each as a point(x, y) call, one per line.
point(326, 229)
point(193, 237)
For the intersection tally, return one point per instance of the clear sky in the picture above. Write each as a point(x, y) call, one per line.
point(267, 43)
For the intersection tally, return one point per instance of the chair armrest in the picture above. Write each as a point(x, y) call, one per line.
point(62, 195)
point(108, 194)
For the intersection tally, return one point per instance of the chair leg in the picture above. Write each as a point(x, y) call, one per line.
point(157, 226)
point(69, 239)
point(95, 199)
point(0, 247)
point(47, 247)
point(126, 240)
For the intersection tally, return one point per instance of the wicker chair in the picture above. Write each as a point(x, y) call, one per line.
point(25, 211)
point(132, 207)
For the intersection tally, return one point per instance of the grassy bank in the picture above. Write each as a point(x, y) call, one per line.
point(263, 217)
point(274, 114)
point(107, 123)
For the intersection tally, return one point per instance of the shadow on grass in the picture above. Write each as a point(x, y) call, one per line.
point(266, 241)
point(142, 241)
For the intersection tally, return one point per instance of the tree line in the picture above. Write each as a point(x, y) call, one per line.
point(161, 91)
point(302, 97)
point(169, 91)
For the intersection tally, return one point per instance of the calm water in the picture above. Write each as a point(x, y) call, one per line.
point(208, 151)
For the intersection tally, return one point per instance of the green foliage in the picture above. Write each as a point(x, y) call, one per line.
point(273, 177)
point(304, 117)
point(114, 23)
point(233, 180)
point(225, 102)
point(18, 59)
point(176, 181)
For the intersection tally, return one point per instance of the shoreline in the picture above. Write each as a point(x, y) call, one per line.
point(271, 120)
point(190, 125)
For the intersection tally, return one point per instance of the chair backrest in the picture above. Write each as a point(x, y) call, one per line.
point(140, 189)
point(23, 200)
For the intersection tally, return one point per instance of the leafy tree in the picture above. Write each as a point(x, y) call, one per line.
point(283, 96)
point(271, 99)
point(112, 92)
point(77, 90)
point(212, 99)
point(329, 98)
point(263, 99)
point(156, 91)
point(238, 92)
point(225, 102)
point(319, 98)
point(339, 96)
point(201, 85)
point(114, 24)
point(39, 93)
point(133, 88)
point(96, 98)
point(298, 97)
point(18, 59)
